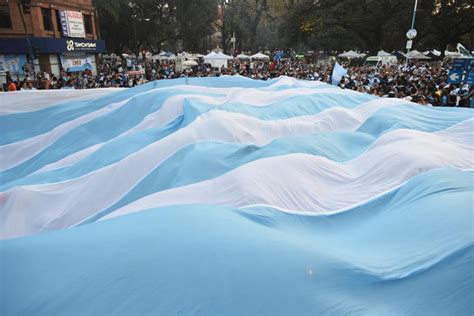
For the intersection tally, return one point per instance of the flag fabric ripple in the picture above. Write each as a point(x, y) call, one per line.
point(229, 196)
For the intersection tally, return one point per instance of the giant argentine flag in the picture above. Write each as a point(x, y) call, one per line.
point(227, 196)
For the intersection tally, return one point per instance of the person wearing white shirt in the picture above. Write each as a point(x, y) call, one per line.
point(28, 87)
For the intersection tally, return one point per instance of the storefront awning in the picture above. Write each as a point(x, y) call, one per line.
point(19, 45)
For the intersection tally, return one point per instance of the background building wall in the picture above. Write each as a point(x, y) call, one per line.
point(33, 21)
point(27, 25)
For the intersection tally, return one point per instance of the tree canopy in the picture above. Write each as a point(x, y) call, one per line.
point(267, 24)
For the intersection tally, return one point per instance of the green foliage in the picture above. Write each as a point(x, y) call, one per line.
point(374, 24)
point(109, 8)
point(155, 24)
point(300, 24)
point(194, 21)
point(447, 22)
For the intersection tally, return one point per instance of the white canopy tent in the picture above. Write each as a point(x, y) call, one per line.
point(259, 56)
point(210, 55)
point(351, 54)
point(189, 63)
point(383, 53)
point(224, 56)
point(217, 59)
point(449, 54)
point(243, 56)
point(189, 56)
point(155, 57)
point(164, 56)
point(414, 54)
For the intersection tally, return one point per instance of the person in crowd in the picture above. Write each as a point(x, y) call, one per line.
point(11, 85)
point(8, 77)
point(29, 68)
point(27, 86)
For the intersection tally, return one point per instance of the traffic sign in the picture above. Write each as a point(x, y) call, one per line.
point(462, 71)
point(459, 63)
point(455, 76)
point(470, 79)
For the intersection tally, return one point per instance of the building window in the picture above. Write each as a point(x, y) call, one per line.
point(26, 7)
point(5, 20)
point(47, 19)
point(58, 21)
point(88, 23)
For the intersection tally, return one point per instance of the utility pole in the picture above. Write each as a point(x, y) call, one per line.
point(411, 34)
point(233, 41)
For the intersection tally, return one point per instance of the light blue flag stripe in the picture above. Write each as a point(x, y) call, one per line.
point(203, 259)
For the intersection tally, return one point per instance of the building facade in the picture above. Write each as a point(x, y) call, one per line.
point(52, 35)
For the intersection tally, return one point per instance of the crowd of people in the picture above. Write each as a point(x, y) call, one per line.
point(421, 82)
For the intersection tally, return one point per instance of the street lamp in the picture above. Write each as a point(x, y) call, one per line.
point(411, 34)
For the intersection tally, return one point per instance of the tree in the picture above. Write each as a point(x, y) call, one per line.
point(364, 24)
point(195, 20)
point(305, 24)
point(251, 13)
point(227, 24)
point(111, 26)
point(447, 22)
point(297, 25)
point(373, 24)
point(255, 23)
point(138, 24)
point(110, 8)
point(154, 22)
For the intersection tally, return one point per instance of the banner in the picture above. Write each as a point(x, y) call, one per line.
point(72, 23)
point(12, 63)
point(76, 63)
point(135, 72)
point(63, 20)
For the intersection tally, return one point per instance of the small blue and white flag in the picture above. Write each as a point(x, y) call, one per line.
point(337, 73)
